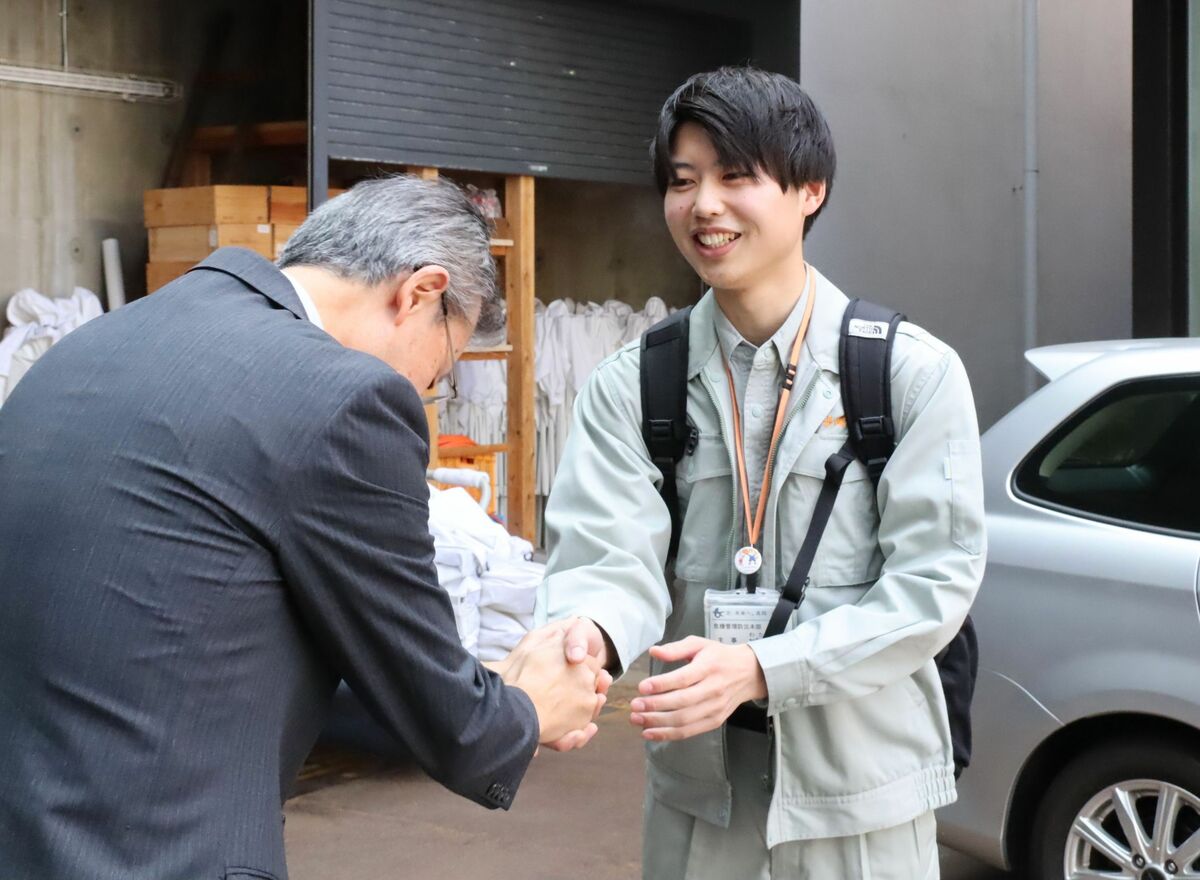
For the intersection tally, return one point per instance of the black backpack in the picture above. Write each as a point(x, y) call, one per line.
point(865, 355)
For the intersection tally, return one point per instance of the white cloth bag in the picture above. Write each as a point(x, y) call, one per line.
point(38, 322)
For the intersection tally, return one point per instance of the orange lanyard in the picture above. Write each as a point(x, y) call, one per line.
point(754, 524)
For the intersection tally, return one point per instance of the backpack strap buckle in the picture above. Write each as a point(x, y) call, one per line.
point(873, 426)
point(875, 468)
point(661, 430)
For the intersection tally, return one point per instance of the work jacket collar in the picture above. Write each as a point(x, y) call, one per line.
point(821, 343)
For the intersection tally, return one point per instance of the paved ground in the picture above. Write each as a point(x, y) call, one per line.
point(576, 816)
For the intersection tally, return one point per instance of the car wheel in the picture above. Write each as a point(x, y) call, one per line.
point(1129, 810)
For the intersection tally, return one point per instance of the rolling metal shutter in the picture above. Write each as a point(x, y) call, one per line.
point(547, 87)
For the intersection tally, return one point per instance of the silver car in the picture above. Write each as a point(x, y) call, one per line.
point(1087, 708)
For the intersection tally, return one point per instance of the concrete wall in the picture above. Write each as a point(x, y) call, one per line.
point(1085, 202)
point(72, 168)
point(925, 102)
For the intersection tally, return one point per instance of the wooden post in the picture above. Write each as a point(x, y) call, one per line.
point(197, 169)
point(519, 294)
point(431, 412)
point(431, 416)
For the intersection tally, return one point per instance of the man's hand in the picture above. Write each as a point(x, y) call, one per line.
point(568, 697)
point(698, 697)
point(584, 639)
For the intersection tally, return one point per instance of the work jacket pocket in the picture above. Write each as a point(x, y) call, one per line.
point(705, 484)
point(849, 549)
point(966, 495)
point(691, 775)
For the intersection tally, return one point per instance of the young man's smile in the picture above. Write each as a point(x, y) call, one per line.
point(713, 241)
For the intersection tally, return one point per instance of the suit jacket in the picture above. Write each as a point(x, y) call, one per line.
point(209, 512)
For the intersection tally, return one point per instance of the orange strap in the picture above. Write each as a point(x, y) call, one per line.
point(754, 525)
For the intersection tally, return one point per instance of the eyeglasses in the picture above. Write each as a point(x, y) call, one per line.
point(450, 378)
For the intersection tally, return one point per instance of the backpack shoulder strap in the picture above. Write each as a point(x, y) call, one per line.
point(865, 358)
point(664, 405)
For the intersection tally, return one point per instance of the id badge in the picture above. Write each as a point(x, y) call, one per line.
point(735, 617)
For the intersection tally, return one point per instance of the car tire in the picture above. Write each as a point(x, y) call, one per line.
point(1156, 769)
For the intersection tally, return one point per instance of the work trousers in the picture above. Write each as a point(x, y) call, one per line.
point(678, 846)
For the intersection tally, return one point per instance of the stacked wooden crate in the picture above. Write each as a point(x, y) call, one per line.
point(188, 223)
point(288, 207)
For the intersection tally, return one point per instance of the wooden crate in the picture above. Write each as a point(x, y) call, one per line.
point(280, 233)
point(288, 205)
point(158, 274)
point(172, 244)
point(205, 206)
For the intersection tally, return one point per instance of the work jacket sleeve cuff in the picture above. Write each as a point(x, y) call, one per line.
point(787, 676)
point(611, 627)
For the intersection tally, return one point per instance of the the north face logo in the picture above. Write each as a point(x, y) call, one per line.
point(869, 329)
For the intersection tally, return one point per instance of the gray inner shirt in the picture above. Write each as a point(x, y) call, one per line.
point(758, 373)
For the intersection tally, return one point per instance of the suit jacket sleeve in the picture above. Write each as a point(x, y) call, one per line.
point(356, 552)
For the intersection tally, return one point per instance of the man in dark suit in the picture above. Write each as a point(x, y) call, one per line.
point(212, 507)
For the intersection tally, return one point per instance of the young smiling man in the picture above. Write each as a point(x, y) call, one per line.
point(859, 754)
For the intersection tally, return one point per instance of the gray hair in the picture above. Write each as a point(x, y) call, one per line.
point(385, 228)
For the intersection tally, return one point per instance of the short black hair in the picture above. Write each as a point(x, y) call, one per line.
point(757, 121)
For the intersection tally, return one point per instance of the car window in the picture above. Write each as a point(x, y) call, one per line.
point(1131, 456)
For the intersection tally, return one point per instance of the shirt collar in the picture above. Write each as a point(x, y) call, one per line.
point(782, 340)
point(310, 307)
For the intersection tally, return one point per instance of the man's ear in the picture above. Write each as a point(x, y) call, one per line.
point(812, 196)
point(420, 292)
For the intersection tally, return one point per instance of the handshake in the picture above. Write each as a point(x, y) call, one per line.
point(567, 696)
point(562, 668)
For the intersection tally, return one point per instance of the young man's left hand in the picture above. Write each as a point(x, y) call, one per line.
point(698, 697)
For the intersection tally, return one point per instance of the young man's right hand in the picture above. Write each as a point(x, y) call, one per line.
point(583, 639)
point(567, 696)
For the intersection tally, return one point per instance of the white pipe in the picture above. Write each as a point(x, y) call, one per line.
point(114, 283)
point(1030, 281)
point(467, 477)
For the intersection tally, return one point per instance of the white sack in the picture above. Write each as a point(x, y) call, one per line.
point(37, 323)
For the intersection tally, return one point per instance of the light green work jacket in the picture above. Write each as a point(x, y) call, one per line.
point(861, 738)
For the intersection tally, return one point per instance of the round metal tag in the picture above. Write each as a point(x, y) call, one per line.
point(747, 560)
